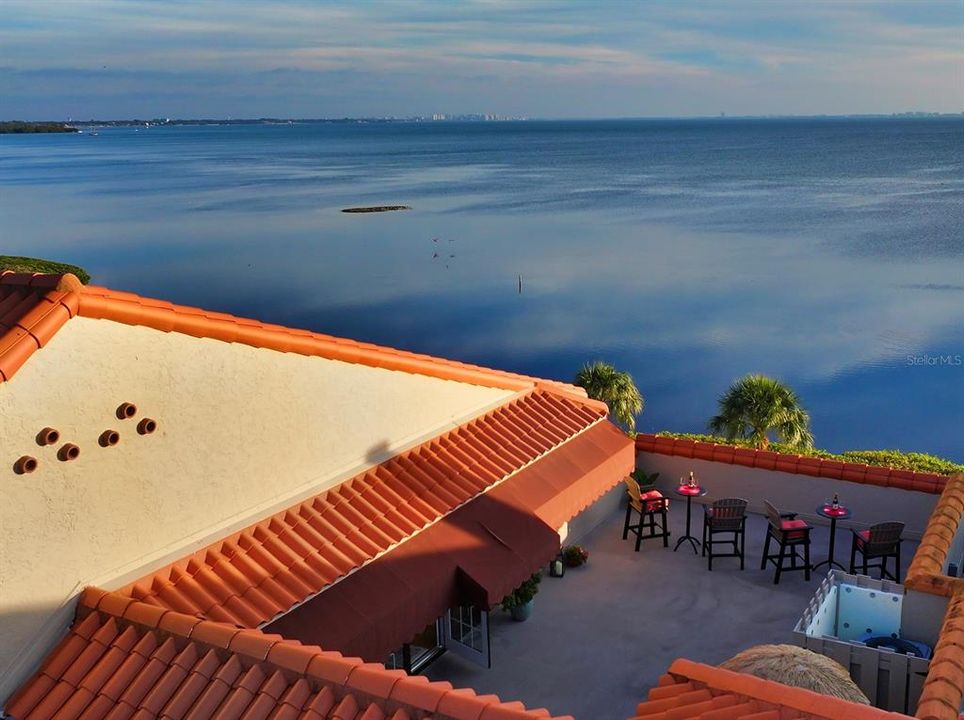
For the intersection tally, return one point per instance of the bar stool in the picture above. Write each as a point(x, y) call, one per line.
point(790, 534)
point(651, 506)
point(727, 515)
point(880, 541)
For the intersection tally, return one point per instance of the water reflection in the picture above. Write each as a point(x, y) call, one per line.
point(687, 276)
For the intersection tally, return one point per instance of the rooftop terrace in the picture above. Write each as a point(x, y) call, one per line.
point(601, 636)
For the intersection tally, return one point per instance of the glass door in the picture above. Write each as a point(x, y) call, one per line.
point(425, 647)
point(466, 633)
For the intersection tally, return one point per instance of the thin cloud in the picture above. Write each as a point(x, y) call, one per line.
point(629, 58)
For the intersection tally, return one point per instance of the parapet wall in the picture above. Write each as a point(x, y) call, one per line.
point(795, 483)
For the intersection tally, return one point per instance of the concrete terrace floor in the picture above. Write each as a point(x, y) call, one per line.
point(600, 637)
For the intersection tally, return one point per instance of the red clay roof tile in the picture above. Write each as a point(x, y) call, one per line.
point(693, 691)
point(944, 687)
point(45, 302)
point(32, 310)
point(926, 571)
point(188, 677)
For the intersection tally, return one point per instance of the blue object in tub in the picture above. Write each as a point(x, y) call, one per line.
point(898, 645)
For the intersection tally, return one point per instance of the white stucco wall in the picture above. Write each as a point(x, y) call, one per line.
point(241, 432)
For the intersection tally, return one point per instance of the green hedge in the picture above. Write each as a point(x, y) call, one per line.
point(895, 459)
point(37, 265)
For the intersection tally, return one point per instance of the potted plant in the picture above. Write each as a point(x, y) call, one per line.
point(645, 481)
point(519, 601)
point(575, 555)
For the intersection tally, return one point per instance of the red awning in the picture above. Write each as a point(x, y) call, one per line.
point(474, 556)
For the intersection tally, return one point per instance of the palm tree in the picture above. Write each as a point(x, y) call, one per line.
point(755, 406)
point(602, 381)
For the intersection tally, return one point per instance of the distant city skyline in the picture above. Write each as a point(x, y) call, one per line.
point(284, 58)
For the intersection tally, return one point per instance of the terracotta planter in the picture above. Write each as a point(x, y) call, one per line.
point(48, 436)
point(68, 452)
point(126, 411)
point(25, 465)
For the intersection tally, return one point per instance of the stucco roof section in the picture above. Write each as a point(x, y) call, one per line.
point(103, 303)
point(32, 310)
point(693, 691)
point(123, 659)
point(263, 571)
point(797, 464)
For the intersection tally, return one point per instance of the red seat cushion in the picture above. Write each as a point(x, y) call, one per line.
point(794, 529)
point(863, 536)
point(652, 495)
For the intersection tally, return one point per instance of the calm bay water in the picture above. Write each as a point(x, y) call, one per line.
point(828, 253)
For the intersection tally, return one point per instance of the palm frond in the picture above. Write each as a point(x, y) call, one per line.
point(755, 406)
point(602, 381)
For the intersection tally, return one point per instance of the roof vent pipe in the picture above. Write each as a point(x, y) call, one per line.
point(126, 411)
point(109, 438)
point(68, 452)
point(25, 465)
point(47, 436)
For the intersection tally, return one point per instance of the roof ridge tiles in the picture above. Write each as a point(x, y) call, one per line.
point(926, 571)
point(777, 694)
point(132, 309)
point(944, 686)
point(99, 302)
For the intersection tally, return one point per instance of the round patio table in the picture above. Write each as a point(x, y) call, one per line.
point(689, 492)
point(834, 514)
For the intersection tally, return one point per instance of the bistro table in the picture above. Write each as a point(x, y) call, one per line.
point(834, 514)
point(689, 492)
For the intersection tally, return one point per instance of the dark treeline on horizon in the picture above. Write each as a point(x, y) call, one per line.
point(18, 126)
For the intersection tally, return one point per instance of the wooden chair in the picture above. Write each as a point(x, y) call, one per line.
point(725, 516)
point(790, 534)
point(651, 507)
point(880, 541)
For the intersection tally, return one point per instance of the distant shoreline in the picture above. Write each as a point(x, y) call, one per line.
point(75, 125)
point(17, 127)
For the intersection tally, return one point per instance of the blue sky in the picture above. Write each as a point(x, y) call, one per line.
point(566, 58)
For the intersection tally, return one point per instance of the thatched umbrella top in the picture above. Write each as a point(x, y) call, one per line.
point(795, 666)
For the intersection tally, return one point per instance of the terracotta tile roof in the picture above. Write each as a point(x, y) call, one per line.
point(268, 568)
point(126, 660)
point(102, 303)
point(944, 687)
point(32, 308)
point(475, 555)
point(926, 569)
point(798, 464)
point(692, 690)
